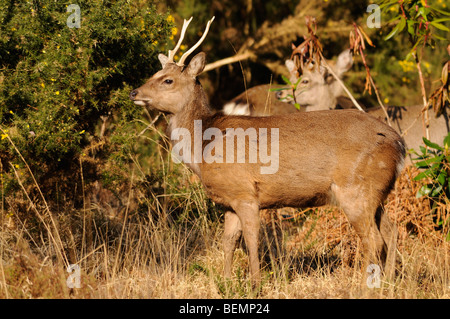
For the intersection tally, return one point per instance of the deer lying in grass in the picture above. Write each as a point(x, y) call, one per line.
point(344, 157)
point(314, 85)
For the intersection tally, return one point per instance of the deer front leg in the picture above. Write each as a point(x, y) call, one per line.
point(231, 234)
point(248, 213)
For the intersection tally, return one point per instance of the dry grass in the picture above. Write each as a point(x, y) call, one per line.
point(312, 254)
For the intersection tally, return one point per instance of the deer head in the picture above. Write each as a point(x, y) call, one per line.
point(171, 88)
point(318, 89)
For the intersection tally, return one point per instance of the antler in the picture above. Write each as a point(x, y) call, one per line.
point(183, 31)
point(187, 53)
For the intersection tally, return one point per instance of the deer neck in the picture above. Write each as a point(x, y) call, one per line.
point(195, 110)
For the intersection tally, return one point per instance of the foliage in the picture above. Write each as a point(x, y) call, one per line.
point(440, 98)
point(291, 87)
point(421, 20)
point(57, 82)
point(435, 161)
point(419, 26)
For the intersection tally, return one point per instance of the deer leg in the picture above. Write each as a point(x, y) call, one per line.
point(248, 213)
point(361, 212)
point(232, 233)
point(372, 243)
point(371, 240)
point(389, 234)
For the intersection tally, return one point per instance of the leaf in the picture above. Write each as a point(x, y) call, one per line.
point(394, 2)
point(423, 150)
point(424, 190)
point(441, 20)
point(437, 103)
point(423, 11)
point(393, 19)
point(392, 33)
point(297, 106)
point(432, 145)
point(440, 11)
point(442, 178)
point(402, 25)
point(423, 175)
point(444, 74)
point(436, 191)
point(426, 163)
point(411, 27)
point(439, 37)
point(447, 141)
point(286, 80)
point(296, 83)
point(366, 36)
point(439, 26)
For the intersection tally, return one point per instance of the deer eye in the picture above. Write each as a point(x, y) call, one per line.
point(305, 81)
point(168, 81)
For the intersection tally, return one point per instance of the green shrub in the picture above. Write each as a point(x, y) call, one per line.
point(435, 163)
point(57, 82)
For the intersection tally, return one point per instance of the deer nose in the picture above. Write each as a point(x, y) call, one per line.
point(133, 94)
point(278, 95)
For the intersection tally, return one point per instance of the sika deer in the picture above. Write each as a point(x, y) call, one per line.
point(343, 157)
point(318, 90)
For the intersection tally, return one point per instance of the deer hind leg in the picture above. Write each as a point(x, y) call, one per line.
point(361, 212)
point(248, 213)
point(232, 233)
point(389, 232)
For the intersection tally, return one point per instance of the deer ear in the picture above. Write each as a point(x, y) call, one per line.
point(344, 62)
point(197, 64)
point(163, 59)
point(290, 65)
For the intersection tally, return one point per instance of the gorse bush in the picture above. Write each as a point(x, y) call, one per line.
point(57, 83)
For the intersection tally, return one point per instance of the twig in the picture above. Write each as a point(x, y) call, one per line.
point(425, 119)
point(149, 125)
point(373, 85)
point(233, 59)
point(357, 44)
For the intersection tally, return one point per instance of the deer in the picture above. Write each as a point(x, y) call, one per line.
point(316, 82)
point(346, 158)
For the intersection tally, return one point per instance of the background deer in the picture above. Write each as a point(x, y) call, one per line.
point(345, 157)
point(317, 90)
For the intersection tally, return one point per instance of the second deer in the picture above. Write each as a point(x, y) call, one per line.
point(317, 90)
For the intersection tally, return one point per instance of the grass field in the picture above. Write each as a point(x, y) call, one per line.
point(174, 249)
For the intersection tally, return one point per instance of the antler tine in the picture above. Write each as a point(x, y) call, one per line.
point(187, 53)
point(183, 31)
